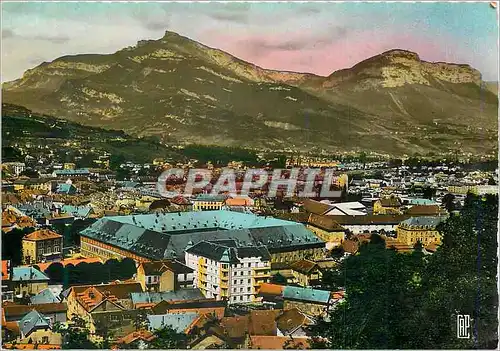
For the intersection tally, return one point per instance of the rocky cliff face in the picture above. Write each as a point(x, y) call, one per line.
point(183, 91)
point(397, 68)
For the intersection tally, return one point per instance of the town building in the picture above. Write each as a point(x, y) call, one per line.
point(28, 281)
point(311, 302)
point(165, 275)
point(225, 270)
point(334, 209)
point(370, 223)
point(7, 291)
point(206, 202)
point(108, 305)
point(180, 322)
point(154, 237)
point(327, 229)
point(15, 168)
point(54, 312)
point(12, 218)
point(388, 206)
point(65, 189)
point(204, 306)
point(35, 328)
point(150, 299)
point(426, 210)
point(420, 229)
point(72, 173)
point(42, 246)
point(306, 273)
point(141, 338)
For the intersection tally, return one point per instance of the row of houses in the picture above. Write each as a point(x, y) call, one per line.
point(158, 293)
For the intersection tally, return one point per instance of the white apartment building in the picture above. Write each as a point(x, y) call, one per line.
point(224, 270)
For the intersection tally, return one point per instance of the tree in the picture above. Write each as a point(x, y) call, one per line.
point(112, 267)
point(337, 252)
point(104, 329)
point(390, 295)
point(429, 192)
point(449, 202)
point(30, 173)
point(278, 279)
point(168, 338)
point(140, 320)
point(55, 272)
point(127, 268)
point(12, 245)
point(76, 335)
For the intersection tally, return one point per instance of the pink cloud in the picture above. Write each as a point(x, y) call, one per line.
point(303, 52)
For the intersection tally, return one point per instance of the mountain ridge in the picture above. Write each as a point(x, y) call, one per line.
point(174, 87)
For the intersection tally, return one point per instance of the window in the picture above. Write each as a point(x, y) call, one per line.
point(113, 318)
point(45, 339)
point(249, 281)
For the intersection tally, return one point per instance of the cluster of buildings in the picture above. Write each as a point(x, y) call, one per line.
point(228, 271)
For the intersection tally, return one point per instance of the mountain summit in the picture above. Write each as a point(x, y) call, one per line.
point(185, 92)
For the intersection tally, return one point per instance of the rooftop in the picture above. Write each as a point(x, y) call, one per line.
point(179, 321)
point(306, 294)
point(210, 198)
point(304, 266)
point(177, 295)
point(42, 234)
point(14, 310)
point(5, 269)
point(166, 236)
point(228, 251)
point(27, 274)
point(32, 321)
point(45, 296)
point(325, 222)
point(426, 222)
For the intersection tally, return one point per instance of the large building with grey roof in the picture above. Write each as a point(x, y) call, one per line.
point(166, 236)
point(420, 229)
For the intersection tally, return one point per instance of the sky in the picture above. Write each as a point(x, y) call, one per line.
point(310, 37)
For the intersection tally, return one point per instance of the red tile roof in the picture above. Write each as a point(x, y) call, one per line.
point(42, 234)
point(426, 210)
point(5, 269)
point(144, 335)
point(278, 342)
point(271, 289)
point(325, 222)
point(14, 310)
point(121, 290)
point(236, 327)
point(316, 207)
point(304, 266)
point(290, 320)
point(263, 322)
